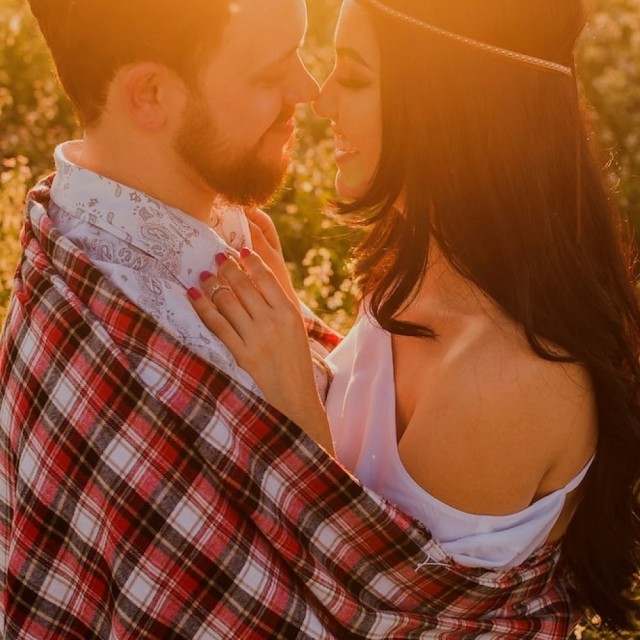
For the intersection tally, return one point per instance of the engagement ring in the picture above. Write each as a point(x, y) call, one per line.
point(216, 289)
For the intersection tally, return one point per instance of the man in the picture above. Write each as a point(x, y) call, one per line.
point(146, 490)
point(206, 110)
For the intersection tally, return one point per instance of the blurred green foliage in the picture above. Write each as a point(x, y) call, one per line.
point(610, 66)
point(35, 116)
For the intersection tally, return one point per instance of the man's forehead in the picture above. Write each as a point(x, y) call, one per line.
point(260, 31)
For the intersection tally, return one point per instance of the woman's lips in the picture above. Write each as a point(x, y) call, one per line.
point(343, 148)
point(344, 155)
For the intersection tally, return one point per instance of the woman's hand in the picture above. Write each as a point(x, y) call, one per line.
point(266, 243)
point(245, 306)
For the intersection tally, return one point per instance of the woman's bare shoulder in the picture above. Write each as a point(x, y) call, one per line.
point(500, 426)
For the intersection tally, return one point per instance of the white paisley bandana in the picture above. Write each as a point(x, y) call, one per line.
point(152, 252)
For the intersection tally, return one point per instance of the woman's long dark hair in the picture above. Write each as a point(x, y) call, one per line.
point(496, 165)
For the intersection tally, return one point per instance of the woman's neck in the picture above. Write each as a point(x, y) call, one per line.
point(445, 296)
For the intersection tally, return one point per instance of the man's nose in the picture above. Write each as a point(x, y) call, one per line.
point(303, 87)
point(324, 104)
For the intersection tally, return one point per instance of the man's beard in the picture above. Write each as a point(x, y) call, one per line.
point(242, 178)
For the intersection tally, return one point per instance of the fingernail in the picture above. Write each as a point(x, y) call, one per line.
point(205, 275)
point(194, 294)
point(244, 252)
point(221, 258)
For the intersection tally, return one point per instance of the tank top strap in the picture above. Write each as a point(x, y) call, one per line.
point(573, 484)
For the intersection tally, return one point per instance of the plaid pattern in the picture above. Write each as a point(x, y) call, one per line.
point(145, 495)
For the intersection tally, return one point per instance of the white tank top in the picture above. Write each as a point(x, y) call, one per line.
point(362, 413)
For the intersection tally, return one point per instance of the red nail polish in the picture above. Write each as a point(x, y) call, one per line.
point(194, 294)
point(205, 275)
point(245, 252)
point(221, 258)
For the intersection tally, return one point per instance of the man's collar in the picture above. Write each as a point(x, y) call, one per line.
point(165, 233)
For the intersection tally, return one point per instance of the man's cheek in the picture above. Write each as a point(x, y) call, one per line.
point(267, 108)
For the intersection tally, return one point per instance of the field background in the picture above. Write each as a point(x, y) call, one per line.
point(35, 116)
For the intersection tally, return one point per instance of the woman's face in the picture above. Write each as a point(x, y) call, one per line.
point(351, 99)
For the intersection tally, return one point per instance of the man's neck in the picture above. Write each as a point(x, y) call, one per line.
point(145, 170)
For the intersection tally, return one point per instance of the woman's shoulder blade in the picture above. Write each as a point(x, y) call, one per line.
point(499, 417)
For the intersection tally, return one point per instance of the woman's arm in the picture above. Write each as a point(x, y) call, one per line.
point(262, 327)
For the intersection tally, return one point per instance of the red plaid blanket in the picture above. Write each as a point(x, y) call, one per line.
point(145, 495)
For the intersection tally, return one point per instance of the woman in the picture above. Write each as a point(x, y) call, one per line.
point(490, 384)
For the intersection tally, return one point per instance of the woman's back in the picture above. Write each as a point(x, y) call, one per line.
point(473, 418)
point(502, 426)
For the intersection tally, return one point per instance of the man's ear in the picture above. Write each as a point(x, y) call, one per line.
point(152, 94)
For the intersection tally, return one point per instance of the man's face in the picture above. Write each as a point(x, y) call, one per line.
point(237, 128)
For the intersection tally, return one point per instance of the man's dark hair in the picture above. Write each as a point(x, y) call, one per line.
point(91, 39)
